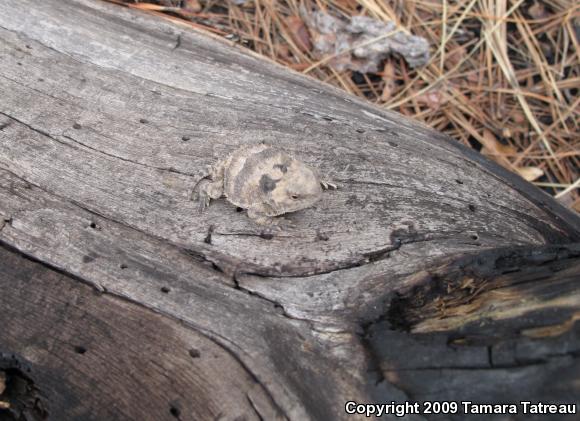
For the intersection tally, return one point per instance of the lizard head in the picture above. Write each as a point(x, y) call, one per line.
point(291, 186)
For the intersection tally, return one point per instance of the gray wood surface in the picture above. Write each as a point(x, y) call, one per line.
point(108, 117)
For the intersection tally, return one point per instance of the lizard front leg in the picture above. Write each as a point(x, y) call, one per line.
point(210, 187)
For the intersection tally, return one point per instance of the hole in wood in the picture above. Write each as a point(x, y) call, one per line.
point(472, 208)
point(77, 126)
point(474, 237)
point(194, 353)
point(266, 235)
point(144, 121)
point(165, 290)
point(123, 266)
point(79, 349)
point(458, 181)
point(360, 131)
point(185, 138)
point(174, 411)
point(207, 238)
point(238, 209)
point(321, 236)
point(393, 144)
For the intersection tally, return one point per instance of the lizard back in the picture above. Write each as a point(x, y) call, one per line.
point(244, 171)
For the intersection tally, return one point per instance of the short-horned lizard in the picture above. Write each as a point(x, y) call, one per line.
point(264, 180)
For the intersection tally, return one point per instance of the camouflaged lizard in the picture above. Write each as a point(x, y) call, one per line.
point(264, 180)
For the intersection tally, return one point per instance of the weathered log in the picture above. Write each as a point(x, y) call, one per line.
point(430, 274)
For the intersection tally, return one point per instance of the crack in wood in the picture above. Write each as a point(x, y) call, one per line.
point(168, 169)
point(46, 134)
point(7, 246)
point(39, 131)
point(278, 307)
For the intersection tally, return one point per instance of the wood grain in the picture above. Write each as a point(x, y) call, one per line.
point(94, 356)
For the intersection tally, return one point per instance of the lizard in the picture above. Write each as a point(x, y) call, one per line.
point(265, 180)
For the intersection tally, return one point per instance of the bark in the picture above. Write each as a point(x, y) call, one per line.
point(430, 274)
